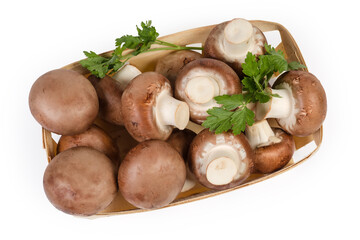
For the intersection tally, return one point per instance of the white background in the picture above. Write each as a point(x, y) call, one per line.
point(317, 200)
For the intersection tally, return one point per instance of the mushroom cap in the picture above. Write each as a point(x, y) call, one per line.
point(151, 175)
point(200, 150)
point(310, 102)
point(180, 140)
point(225, 77)
point(214, 49)
point(64, 102)
point(109, 93)
point(173, 63)
point(95, 138)
point(80, 181)
point(275, 156)
point(138, 106)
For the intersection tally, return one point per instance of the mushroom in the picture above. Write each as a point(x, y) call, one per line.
point(180, 140)
point(149, 110)
point(125, 74)
point(173, 63)
point(151, 175)
point(109, 93)
point(95, 138)
point(80, 181)
point(220, 161)
point(230, 42)
point(301, 108)
point(200, 81)
point(63, 102)
point(273, 148)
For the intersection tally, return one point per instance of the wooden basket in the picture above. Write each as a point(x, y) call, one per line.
point(146, 62)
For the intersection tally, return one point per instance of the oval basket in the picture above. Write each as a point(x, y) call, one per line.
point(146, 62)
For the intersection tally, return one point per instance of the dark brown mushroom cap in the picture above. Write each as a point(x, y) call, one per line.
point(95, 138)
point(63, 102)
point(310, 102)
point(138, 103)
point(109, 93)
point(229, 83)
point(80, 181)
point(204, 142)
point(151, 175)
point(212, 49)
point(180, 140)
point(173, 63)
point(275, 156)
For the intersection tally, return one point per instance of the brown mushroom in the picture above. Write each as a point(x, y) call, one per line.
point(109, 93)
point(63, 102)
point(80, 181)
point(151, 175)
point(220, 161)
point(200, 81)
point(95, 138)
point(149, 110)
point(172, 64)
point(273, 148)
point(230, 42)
point(180, 141)
point(301, 108)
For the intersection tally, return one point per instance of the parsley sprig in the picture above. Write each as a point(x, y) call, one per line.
point(234, 113)
point(147, 36)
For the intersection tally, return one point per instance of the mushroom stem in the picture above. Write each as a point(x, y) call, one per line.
point(125, 75)
point(277, 107)
point(170, 111)
point(238, 37)
point(202, 89)
point(260, 134)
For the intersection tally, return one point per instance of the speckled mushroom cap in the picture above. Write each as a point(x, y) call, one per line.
point(310, 104)
point(151, 175)
point(275, 156)
point(138, 107)
point(213, 47)
point(203, 148)
point(221, 74)
point(109, 93)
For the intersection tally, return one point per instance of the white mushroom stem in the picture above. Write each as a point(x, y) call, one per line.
point(202, 89)
point(260, 134)
point(224, 165)
point(170, 111)
point(238, 37)
point(190, 181)
point(125, 74)
point(277, 107)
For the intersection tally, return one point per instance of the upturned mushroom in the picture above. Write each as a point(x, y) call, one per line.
point(180, 141)
point(273, 148)
point(230, 42)
point(220, 161)
point(151, 175)
point(301, 108)
point(200, 81)
point(63, 102)
point(95, 138)
point(173, 63)
point(149, 110)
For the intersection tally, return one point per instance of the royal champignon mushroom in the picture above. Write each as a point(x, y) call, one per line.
point(151, 175)
point(64, 102)
point(200, 81)
point(301, 108)
point(80, 181)
point(230, 42)
point(95, 138)
point(173, 63)
point(149, 109)
point(273, 148)
point(180, 141)
point(220, 161)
